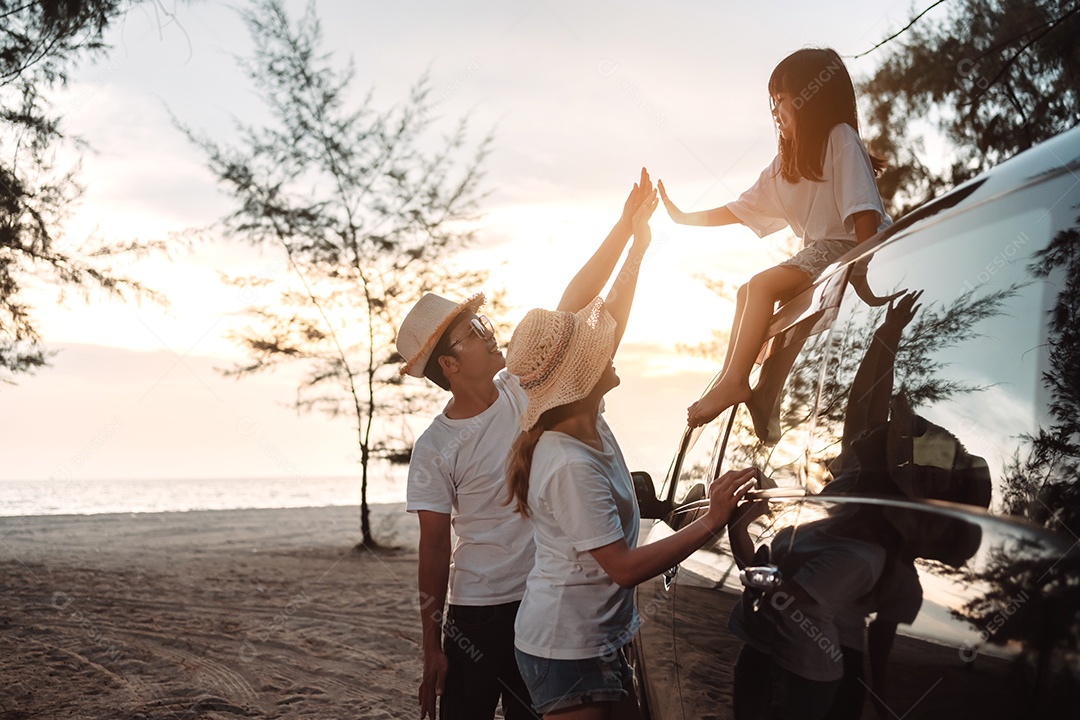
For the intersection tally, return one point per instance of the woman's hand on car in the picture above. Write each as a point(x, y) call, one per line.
point(725, 493)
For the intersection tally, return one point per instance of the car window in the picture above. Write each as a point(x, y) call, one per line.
point(773, 430)
point(697, 465)
point(966, 365)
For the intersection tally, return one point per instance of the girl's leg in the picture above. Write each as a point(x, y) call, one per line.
point(734, 384)
point(736, 323)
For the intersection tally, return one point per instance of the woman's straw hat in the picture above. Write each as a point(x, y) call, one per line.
point(559, 356)
point(425, 324)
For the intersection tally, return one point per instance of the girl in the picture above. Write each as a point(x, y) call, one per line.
point(567, 473)
point(821, 184)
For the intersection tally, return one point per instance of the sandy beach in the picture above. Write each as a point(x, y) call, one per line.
point(217, 614)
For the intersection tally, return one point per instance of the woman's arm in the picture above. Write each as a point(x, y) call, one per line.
point(621, 296)
point(631, 566)
point(705, 218)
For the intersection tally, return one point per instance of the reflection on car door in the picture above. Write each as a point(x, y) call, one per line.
point(706, 592)
point(905, 610)
point(772, 437)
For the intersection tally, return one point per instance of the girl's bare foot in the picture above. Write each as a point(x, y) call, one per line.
point(719, 398)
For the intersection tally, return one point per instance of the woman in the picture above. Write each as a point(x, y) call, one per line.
point(568, 474)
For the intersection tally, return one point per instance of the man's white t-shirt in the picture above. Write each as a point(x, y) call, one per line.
point(580, 499)
point(458, 467)
point(816, 210)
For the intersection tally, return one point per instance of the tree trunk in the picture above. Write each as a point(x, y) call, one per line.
point(367, 540)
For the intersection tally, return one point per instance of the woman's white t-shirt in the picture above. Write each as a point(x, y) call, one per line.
point(816, 210)
point(580, 499)
point(458, 467)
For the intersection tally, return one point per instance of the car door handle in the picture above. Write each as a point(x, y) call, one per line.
point(669, 576)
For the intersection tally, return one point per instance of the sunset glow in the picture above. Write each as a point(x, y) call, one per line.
point(579, 99)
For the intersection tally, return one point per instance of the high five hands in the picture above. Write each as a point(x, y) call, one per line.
point(676, 214)
point(642, 190)
point(640, 222)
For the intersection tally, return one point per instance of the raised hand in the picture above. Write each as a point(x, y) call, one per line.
point(903, 311)
point(676, 214)
point(640, 191)
point(640, 222)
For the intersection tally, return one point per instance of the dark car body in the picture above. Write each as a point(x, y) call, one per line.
point(921, 476)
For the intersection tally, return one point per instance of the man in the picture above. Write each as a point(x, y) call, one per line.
point(457, 479)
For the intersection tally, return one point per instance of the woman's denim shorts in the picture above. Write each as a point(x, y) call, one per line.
point(558, 684)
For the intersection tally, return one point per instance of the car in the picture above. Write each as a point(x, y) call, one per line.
point(911, 547)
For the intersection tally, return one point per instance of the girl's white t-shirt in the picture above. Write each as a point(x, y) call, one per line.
point(580, 499)
point(458, 467)
point(816, 210)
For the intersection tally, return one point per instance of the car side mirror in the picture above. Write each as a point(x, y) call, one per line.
point(649, 506)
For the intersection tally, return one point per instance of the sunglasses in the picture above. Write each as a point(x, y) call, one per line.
point(481, 327)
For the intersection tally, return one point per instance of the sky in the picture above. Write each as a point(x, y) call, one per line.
point(579, 96)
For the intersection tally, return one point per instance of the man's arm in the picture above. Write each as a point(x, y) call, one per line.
point(594, 274)
point(432, 578)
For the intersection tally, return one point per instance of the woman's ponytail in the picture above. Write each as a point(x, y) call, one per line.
point(519, 466)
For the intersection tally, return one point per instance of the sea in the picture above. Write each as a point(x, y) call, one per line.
point(92, 497)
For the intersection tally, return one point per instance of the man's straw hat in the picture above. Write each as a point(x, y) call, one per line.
point(425, 324)
point(559, 356)
point(927, 461)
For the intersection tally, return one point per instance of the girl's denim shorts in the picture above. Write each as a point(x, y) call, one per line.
point(558, 684)
point(817, 256)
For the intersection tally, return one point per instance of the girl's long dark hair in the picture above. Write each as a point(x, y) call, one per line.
point(823, 96)
point(519, 464)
